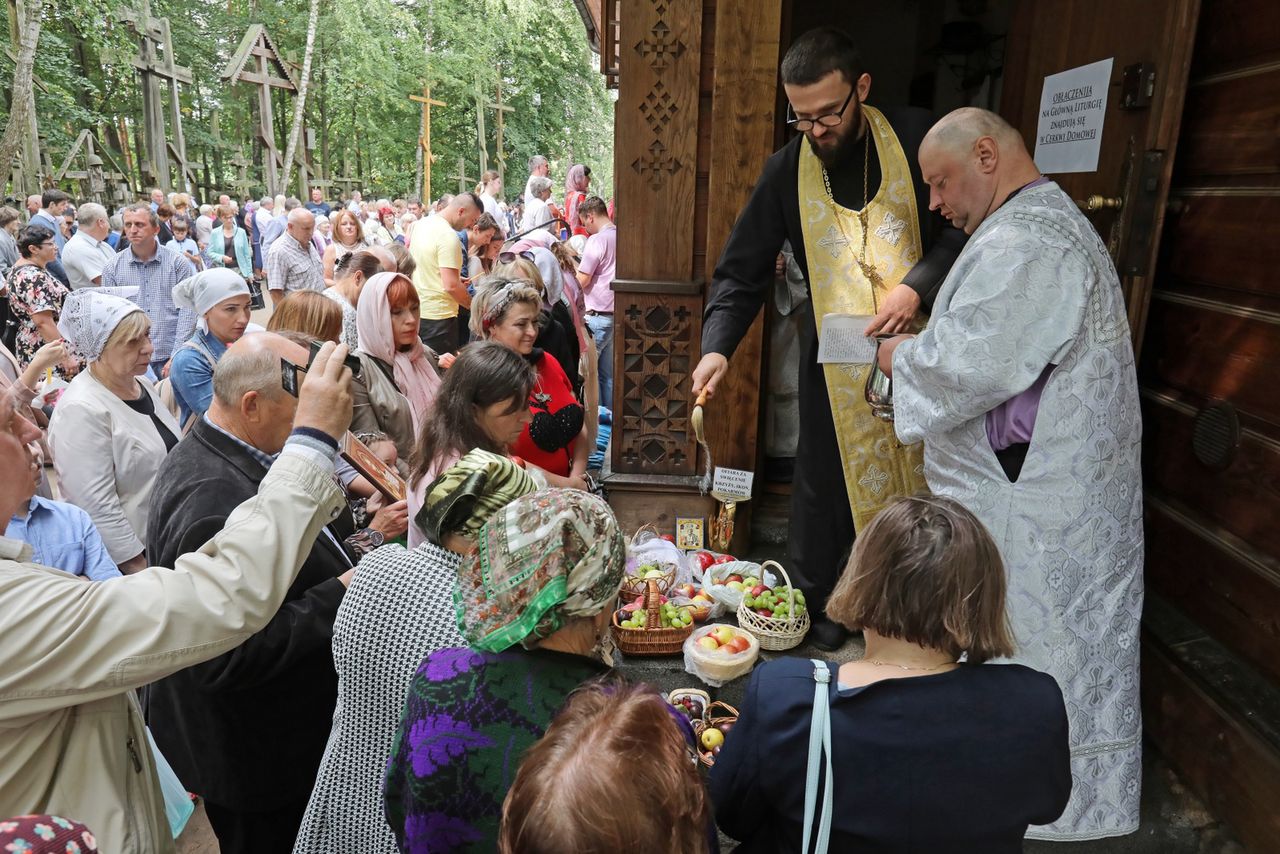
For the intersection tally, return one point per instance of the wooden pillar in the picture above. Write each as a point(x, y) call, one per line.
point(742, 134)
point(658, 291)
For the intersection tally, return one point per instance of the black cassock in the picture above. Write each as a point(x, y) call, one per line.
point(821, 521)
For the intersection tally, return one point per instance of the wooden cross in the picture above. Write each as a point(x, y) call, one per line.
point(345, 184)
point(268, 71)
point(153, 36)
point(481, 136)
point(464, 183)
point(500, 156)
point(242, 182)
point(424, 139)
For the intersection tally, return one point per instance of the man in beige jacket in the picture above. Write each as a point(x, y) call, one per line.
point(72, 740)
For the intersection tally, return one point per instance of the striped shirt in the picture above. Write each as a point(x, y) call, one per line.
point(155, 279)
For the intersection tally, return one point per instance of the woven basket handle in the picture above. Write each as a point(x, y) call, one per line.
point(791, 594)
point(653, 620)
point(648, 526)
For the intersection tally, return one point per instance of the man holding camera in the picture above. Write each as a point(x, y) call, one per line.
point(74, 743)
point(246, 730)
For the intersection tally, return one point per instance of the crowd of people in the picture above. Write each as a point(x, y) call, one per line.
point(197, 585)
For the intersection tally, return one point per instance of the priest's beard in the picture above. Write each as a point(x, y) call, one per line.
point(836, 155)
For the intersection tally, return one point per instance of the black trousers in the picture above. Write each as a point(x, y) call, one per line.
point(243, 832)
point(440, 335)
point(822, 532)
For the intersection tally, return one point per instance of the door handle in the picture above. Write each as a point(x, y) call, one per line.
point(1098, 203)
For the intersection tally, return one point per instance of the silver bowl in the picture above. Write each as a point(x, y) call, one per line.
point(879, 388)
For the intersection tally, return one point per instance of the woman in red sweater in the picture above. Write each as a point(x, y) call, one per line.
point(509, 311)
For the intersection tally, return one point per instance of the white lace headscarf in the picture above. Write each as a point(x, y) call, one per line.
point(206, 289)
point(89, 317)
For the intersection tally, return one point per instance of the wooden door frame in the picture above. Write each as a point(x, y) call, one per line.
point(1162, 133)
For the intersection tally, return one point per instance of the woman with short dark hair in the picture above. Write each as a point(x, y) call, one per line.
point(36, 297)
point(931, 749)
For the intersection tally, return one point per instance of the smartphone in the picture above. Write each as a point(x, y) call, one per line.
point(351, 361)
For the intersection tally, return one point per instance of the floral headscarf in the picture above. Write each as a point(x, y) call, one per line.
point(541, 561)
point(466, 495)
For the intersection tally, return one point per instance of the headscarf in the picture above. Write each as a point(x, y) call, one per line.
point(543, 560)
point(549, 269)
point(46, 834)
point(415, 376)
point(574, 183)
point(463, 498)
point(89, 317)
point(206, 289)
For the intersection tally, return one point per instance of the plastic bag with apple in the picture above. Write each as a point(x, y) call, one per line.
point(648, 548)
point(726, 579)
point(720, 653)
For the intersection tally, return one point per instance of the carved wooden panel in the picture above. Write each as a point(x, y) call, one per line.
point(610, 41)
point(656, 342)
point(657, 137)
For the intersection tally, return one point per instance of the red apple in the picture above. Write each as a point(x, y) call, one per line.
point(738, 644)
point(725, 559)
point(704, 559)
point(668, 538)
point(758, 589)
point(734, 577)
point(708, 643)
point(724, 634)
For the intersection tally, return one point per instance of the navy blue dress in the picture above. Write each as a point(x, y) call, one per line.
point(956, 761)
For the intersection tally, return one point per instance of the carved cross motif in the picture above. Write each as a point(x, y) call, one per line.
point(657, 164)
point(660, 48)
point(890, 229)
point(658, 108)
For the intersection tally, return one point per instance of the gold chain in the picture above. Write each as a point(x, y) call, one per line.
point(868, 270)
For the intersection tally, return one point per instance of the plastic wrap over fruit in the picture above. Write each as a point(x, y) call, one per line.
point(648, 548)
point(720, 653)
point(726, 583)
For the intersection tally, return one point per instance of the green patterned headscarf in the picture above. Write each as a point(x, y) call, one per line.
point(463, 498)
point(541, 561)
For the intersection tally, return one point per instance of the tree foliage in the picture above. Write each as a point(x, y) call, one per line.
point(370, 55)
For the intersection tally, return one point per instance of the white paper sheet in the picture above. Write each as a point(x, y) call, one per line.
point(842, 341)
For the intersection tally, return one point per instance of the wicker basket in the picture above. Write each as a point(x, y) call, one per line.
point(634, 585)
point(719, 712)
point(773, 633)
point(650, 641)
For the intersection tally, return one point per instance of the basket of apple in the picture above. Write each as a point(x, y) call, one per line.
point(776, 616)
point(720, 653)
point(652, 627)
point(712, 731)
point(700, 601)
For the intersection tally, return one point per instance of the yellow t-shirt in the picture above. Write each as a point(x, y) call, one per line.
point(434, 245)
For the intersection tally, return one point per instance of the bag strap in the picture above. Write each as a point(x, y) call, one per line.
point(819, 743)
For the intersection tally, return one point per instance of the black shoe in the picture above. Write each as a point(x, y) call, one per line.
point(827, 635)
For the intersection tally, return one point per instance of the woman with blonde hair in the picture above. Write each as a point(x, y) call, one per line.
point(509, 310)
point(309, 312)
point(110, 432)
point(920, 726)
point(490, 190)
point(229, 245)
point(347, 235)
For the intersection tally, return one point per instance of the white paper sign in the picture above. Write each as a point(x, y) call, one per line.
point(1073, 105)
point(842, 340)
point(732, 482)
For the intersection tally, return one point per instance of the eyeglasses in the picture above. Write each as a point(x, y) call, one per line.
point(509, 257)
point(829, 120)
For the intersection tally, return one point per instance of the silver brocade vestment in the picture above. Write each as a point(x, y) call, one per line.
point(1033, 287)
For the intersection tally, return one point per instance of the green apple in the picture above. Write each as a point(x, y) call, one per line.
point(723, 634)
